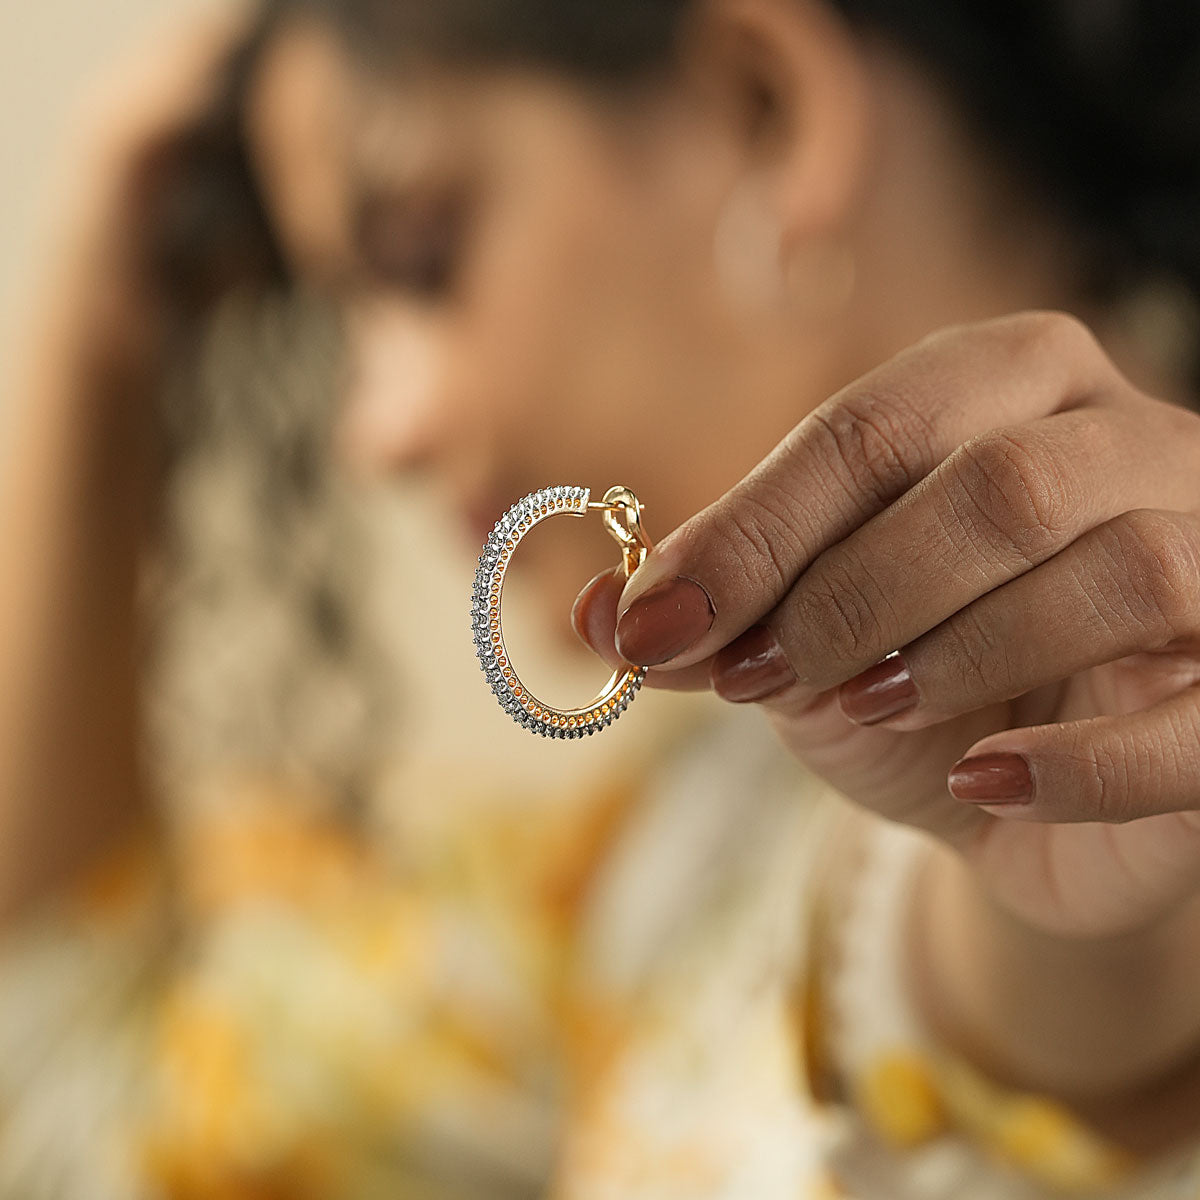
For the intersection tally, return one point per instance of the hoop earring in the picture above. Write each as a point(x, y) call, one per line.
point(623, 519)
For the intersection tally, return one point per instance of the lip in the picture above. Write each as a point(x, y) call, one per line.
point(480, 516)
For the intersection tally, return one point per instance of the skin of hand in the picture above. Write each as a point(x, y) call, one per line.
point(105, 273)
point(966, 592)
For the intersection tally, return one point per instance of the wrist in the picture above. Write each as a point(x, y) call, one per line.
point(911, 1097)
point(93, 337)
point(1104, 1024)
point(96, 315)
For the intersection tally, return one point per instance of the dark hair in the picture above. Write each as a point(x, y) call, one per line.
point(260, 652)
point(209, 231)
point(1096, 101)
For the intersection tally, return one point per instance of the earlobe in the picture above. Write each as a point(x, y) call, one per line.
point(748, 252)
point(816, 276)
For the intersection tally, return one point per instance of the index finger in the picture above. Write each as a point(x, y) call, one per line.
point(723, 570)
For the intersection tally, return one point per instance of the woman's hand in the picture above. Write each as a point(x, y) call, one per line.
point(79, 484)
point(152, 224)
point(1008, 513)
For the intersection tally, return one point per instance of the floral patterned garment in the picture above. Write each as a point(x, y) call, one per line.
point(629, 995)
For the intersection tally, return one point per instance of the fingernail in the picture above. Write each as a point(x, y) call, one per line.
point(583, 610)
point(751, 668)
point(664, 621)
point(885, 690)
point(992, 779)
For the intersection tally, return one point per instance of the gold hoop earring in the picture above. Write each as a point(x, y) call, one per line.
point(622, 513)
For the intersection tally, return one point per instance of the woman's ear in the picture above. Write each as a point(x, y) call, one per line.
point(792, 77)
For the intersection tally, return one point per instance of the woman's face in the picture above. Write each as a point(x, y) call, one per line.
point(531, 275)
point(532, 297)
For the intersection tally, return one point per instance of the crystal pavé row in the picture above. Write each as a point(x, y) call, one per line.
point(485, 622)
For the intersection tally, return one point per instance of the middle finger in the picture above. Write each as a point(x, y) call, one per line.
point(999, 506)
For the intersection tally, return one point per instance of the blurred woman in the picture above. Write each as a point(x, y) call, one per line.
point(705, 249)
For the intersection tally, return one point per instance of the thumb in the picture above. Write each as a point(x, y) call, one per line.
point(594, 619)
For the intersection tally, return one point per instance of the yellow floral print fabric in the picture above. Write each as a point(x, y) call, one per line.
point(614, 997)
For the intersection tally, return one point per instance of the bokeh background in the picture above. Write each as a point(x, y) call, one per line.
point(53, 55)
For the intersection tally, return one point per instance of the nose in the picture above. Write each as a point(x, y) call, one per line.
point(391, 412)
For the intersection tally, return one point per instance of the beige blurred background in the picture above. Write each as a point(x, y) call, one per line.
point(53, 56)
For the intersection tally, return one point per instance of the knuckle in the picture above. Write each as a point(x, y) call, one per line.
point(760, 539)
point(1141, 768)
point(880, 439)
point(838, 617)
point(1115, 771)
point(1049, 333)
point(980, 662)
point(1157, 556)
point(1178, 736)
point(1012, 498)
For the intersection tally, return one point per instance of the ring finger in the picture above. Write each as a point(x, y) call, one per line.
point(1127, 587)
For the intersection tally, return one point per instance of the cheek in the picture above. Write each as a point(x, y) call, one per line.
point(524, 312)
point(580, 311)
point(395, 388)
